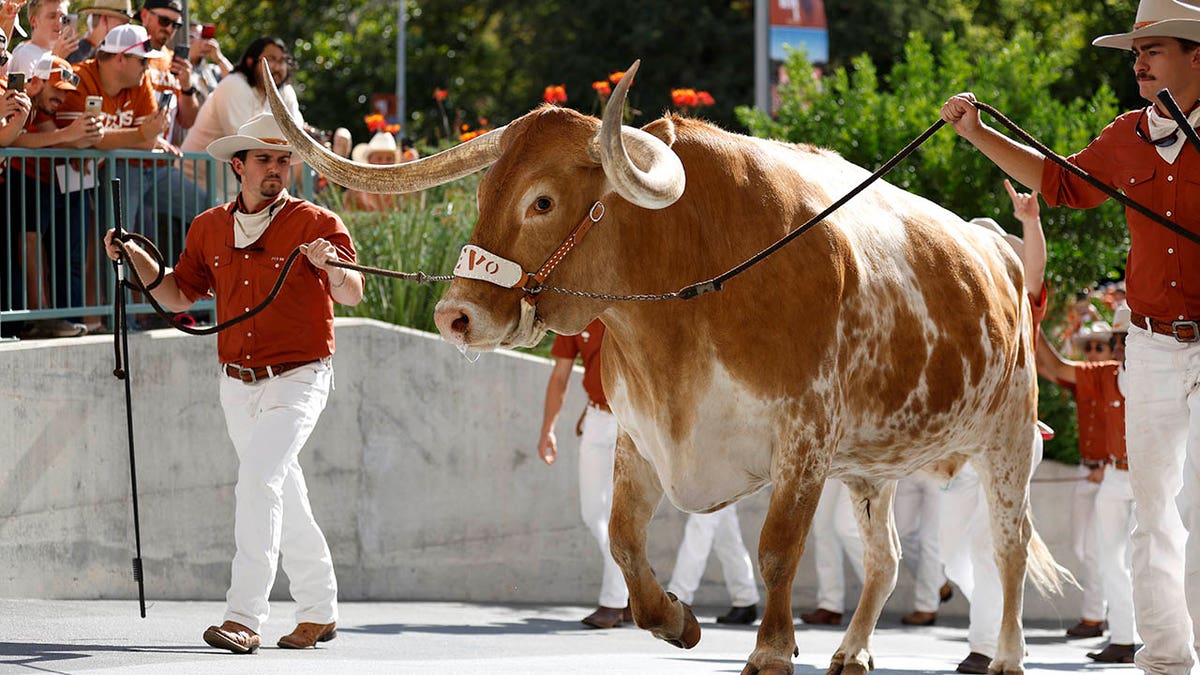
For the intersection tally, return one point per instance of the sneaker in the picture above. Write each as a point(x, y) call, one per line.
point(53, 328)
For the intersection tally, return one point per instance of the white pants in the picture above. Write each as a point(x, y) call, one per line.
point(1114, 523)
point(969, 554)
point(721, 532)
point(970, 558)
point(597, 450)
point(1085, 546)
point(835, 540)
point(1162, 434)
point(918, 507)
point(269, 422)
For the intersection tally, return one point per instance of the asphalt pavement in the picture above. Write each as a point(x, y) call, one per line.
point(107, 636)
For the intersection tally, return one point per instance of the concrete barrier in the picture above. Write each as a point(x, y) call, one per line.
point(423, 473)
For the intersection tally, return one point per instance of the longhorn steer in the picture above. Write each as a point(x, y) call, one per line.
point(889, 337)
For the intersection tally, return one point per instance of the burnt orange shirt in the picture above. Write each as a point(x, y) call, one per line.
point(129, 108)
point(1097, 382)
point(1163, 270)
point(298, 324)
point(587, 346)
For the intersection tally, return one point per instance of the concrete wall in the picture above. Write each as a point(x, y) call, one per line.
point(423, 473)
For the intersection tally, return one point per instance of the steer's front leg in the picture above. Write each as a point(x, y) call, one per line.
point(636, 494)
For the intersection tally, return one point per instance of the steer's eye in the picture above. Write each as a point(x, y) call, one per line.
point(542, 204)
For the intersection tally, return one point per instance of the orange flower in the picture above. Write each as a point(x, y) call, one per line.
point(703, 98)
point(555, 94)
point(392, 128)
point(440, 95)
point(375, 122)
point(602, 88)
point(468, 135)
point(683, 98)
point(616, 76)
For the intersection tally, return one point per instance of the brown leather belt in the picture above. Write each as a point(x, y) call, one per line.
point(1093, 463)
point(599, 406)
point(252, 375)
point(1183, 331)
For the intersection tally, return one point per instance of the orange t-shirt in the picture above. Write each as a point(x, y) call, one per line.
point(128, 109)
point(298, 324)
point(587, 346)
point(1097, 382)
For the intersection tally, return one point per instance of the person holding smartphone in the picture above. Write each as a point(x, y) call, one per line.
point(49, 32)
point(101, 16)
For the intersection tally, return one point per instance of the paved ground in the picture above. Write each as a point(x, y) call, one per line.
point(445, 637)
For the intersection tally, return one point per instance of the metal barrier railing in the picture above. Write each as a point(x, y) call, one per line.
point(55, 207)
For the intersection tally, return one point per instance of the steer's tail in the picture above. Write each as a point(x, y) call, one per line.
point(1042, 569)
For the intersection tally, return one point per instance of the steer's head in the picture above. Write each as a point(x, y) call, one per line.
point(549, 168)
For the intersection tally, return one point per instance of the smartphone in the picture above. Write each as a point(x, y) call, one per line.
point(72, 20)
point(208, 31)
point(93, 105)
point(182, 52)
point(165, 98)
point(16, 81)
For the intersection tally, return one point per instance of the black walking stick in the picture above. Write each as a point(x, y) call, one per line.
point(121, 372)
point(1172, 107)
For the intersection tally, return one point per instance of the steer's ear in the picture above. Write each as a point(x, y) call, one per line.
point(663, 128)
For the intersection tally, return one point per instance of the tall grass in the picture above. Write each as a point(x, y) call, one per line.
point(413, 238)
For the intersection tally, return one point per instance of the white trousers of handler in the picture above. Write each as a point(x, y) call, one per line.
point(1162, 436)
point(719, 531)
point(835, 541)
point(597, 452)
point(269, 422)
point(1114, 523)
point(918, 508)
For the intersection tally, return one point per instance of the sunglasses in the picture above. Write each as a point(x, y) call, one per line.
point(145, 45)
point(68, 76)
point(1096, 347)
point(1164, 142)
point(166, 22)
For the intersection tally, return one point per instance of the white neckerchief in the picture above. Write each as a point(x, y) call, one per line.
point(248, 227)
point(1160, 127)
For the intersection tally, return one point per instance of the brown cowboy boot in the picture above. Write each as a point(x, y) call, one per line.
point(233, 636)
point(308, 635)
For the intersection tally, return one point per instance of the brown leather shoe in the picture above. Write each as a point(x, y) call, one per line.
point(822, 617)
point(627, 613)
point(919, 619)
point(308, 635)
point(1114, 654)
point(605, 617)
point(975, 663)
point(233, 636)
point(1086, 629)
point(945, 592)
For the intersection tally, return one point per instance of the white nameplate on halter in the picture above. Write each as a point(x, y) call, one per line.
point(476, 263)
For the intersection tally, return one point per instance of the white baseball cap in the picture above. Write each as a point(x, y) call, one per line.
point(129, 39)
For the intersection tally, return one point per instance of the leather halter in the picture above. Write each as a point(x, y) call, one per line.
point(475, 262)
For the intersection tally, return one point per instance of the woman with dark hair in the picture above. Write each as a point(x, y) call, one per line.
point(239, 97)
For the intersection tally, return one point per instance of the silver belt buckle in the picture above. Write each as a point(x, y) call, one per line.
point(243, 372)
point(1187, 325)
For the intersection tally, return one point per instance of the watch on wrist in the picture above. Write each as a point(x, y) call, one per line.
point(188, 92)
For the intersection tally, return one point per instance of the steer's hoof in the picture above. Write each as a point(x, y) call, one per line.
point(690, 635)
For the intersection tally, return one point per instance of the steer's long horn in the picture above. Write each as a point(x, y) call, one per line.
point(453, 163)
point(662, 181)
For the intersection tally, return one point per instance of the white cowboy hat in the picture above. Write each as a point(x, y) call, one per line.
point(1097, 331)
point(1121, 319)
point(1018, 246)
point(262, 132)
point(1157, 18)
point(380, 142)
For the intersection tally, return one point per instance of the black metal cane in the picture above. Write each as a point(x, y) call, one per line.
point(121, 372)
point(1185, 126)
